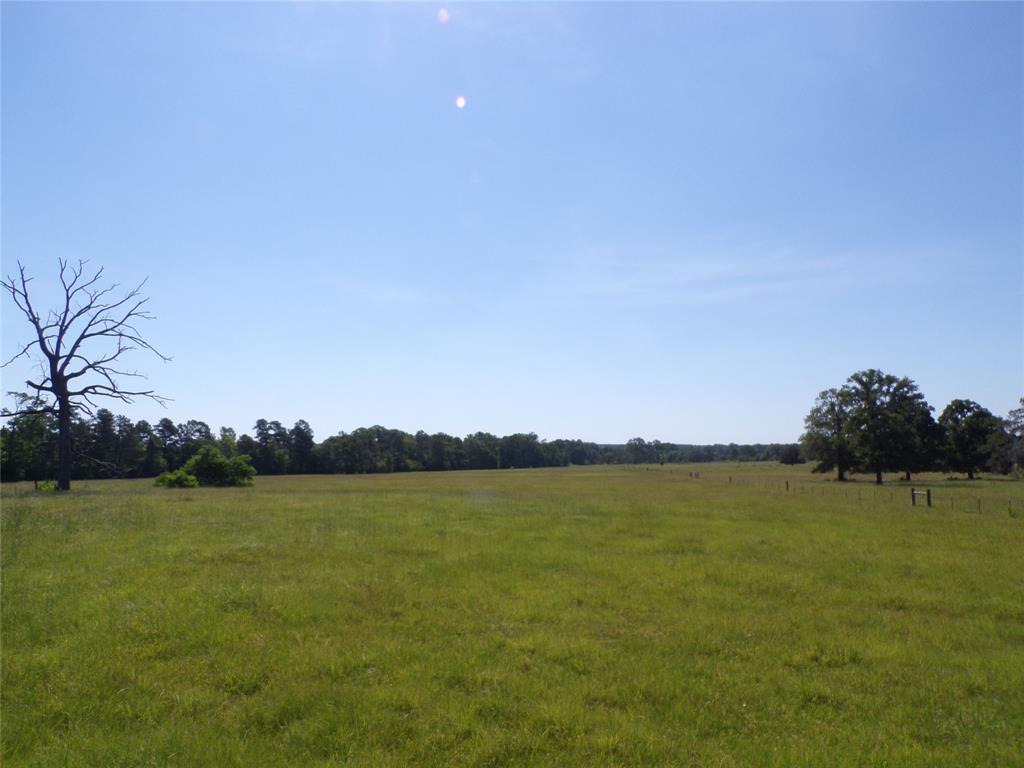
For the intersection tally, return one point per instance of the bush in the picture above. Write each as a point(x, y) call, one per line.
point(210, 467)
point(790, 454)
point(240, 471)
point(179, 478)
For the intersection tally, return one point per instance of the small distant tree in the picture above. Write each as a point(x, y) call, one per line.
point(969, 429)
point(271, 457)
point(228, 442)
point(637, 451)
point(1015, 430)
point(26, 441)
point(790, 454)
point(79, 346)
point(1000, 450)
point(826, 438)
point(300, 459)
point(153, 461)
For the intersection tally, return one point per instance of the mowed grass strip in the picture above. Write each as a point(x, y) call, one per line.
point(586, 616)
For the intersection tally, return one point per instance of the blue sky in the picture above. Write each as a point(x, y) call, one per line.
point(680, 221)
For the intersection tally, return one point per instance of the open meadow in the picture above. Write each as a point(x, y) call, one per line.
point(592, 616)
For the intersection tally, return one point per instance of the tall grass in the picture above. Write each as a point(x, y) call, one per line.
point(585, 616)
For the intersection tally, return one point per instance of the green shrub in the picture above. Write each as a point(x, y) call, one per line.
point(210, 467)
point(46, 486)
point(240, 471)
point(179, 478)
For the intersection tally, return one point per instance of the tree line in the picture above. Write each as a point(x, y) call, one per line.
point(874, 423)
point(112, 446)
point(877, 423)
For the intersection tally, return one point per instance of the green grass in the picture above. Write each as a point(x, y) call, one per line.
point(587, 616)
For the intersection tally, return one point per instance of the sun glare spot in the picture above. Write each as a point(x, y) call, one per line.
point(460, 102)
point(442, 16)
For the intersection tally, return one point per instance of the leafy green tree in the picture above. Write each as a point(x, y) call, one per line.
point(921, 448)
point(82, 464)
point(129, 451)
point(481, 449)
point(191, 436)
point(790, 455)
point(166, 433)
point(1015, 430)
point(101, 449)
point(152, 462)
point(271, 456)
point(1000, 450)
point(969, 429)
point(227, 443)
point(300, 460)
point(26, 442)
point(521, 450)
point(889, 423)
point(827, 435)
point(246, 445)
point(209, 466)
point(329, 455)
point(638, 451)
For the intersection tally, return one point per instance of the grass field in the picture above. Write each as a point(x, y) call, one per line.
point(586, 616)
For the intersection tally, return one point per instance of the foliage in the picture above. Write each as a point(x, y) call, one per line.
point(27, 442)
point(827, 436)
point(1014, 427)
point(790, 455)
point(841, 433)
point(877, 423)
point(209, 467)
point(889, 422)
point(179, 478)
point(969, 432)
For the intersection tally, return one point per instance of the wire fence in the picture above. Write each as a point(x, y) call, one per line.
point(986, 500)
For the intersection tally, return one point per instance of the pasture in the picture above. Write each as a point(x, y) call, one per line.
point(604, 616)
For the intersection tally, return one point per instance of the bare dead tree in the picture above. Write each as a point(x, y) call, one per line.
point(78, 348)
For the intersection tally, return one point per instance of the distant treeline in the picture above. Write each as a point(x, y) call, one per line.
point(108, 445)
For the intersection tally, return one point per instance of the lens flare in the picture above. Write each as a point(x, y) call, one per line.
point(442, 16)
point(460, 102)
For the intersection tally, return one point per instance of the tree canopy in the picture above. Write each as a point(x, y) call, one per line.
point(878, 423)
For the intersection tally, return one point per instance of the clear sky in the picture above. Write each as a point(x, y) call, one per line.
point(678, 221)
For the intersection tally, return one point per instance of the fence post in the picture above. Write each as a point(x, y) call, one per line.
point(929, 497)
point(913, 498)
point(787, 486)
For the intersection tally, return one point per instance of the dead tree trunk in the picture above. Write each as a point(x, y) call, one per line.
point(64, 444)
point(68, 344)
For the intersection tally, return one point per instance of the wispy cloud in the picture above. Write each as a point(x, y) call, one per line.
point(686, 277)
